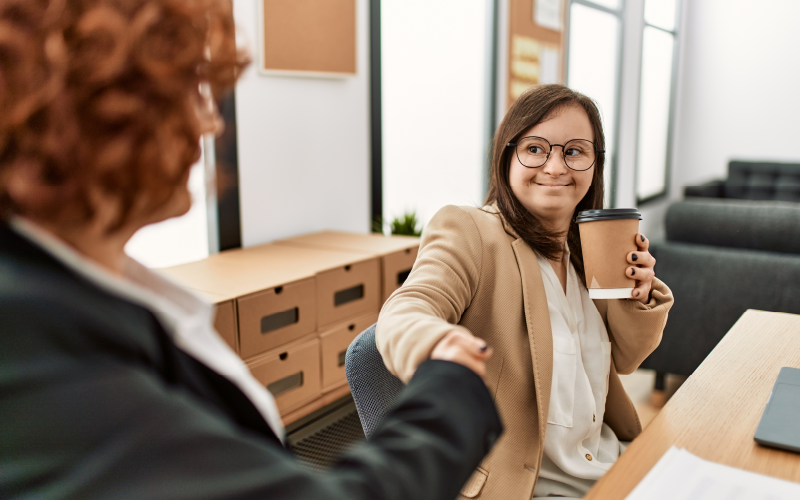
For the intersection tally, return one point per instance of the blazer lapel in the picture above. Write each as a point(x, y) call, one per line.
point(537, 320)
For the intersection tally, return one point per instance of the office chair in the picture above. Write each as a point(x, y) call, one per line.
point(374, 388)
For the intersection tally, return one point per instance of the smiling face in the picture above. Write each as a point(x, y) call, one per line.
point(552, 192)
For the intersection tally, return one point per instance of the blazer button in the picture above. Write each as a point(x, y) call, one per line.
point(588, 457)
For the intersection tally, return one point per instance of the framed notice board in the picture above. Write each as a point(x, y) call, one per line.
point(314, 38)
point(536, 44)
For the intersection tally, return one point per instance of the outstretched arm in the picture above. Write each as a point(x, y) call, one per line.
point(94, 425)
point(437, 292)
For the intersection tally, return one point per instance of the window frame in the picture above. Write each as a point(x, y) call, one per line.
point(619, 13)
point(675, 33)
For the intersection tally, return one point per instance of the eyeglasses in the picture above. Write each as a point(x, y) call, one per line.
point(533, 152)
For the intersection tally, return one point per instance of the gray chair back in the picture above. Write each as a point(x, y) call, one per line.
point(374, 388)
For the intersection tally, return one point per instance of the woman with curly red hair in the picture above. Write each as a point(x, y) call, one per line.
point(113, 382)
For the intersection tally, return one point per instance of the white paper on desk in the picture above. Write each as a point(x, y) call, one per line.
point(679, 475)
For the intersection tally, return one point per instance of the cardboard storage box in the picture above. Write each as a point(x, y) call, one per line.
point(348, 291)
point(276, 316)
point(334, 343)
point(397, 253)
point(225, 323)
point(283, 293)
point(225, 320)
point(291, 373)
point(347, 283)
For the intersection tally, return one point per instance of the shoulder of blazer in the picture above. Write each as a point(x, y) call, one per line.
point(487, 220)
point(50, 304)
point(492, 227)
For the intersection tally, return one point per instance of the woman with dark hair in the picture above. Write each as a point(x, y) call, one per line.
point(512, 273)
point(113, 383)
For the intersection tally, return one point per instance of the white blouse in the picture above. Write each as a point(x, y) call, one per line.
point(186, 317)
point(578, 446)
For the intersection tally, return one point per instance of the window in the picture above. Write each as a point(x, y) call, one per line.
point(180, 239)
point(655, 98)
point(593, 68)
point(433, 84)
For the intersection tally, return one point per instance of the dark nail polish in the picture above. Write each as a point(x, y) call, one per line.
point(633, 271)
point(484, 347)
point(642, 238)
point(634, 257)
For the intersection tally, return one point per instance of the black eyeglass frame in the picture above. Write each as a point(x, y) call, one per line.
point(563, 153)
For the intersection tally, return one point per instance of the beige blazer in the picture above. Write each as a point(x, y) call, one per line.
point(473, 271)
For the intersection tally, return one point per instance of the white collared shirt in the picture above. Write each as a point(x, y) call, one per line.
point(186, 317)
point(578, 447)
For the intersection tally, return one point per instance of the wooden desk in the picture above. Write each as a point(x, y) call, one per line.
point(715, 413)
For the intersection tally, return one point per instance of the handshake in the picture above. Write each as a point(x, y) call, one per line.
point(462, 348)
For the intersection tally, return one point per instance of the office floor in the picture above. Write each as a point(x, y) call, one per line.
point(639, 386)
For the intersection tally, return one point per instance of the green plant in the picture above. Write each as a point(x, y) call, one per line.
point(406, 225)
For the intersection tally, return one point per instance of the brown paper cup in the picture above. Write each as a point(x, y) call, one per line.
point(606, 243)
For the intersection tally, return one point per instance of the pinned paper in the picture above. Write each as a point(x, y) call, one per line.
point(550, 62)
point(548, 13)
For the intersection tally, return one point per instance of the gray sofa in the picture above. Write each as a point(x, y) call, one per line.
point(720, 258)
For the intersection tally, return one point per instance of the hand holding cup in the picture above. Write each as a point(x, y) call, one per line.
point(642, 269)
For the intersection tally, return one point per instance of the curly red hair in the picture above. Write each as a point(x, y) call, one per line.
point(105, 93)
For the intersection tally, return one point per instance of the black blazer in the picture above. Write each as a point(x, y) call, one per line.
point(96, 401)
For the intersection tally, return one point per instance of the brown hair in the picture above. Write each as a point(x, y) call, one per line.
point(105, 93)
point(535, 105)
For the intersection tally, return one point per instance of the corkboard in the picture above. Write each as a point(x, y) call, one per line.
point(308, 37)
point(528, 45)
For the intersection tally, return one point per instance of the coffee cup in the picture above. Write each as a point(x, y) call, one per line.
point(607, 237)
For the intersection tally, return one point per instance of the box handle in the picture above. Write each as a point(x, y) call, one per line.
point(280, 320)
point(348, 295)
point(342, 355)
point(402, 276)
point(286, 384)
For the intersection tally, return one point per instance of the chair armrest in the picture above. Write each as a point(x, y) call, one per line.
point(747, 224)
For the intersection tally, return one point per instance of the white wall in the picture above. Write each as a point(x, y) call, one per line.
point(304, 145)
point(737, 95)
point(740, 97)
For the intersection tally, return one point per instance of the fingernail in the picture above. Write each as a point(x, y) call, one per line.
point(642, 237)
point(633, 271)
point(484, 347)
point(634, 257)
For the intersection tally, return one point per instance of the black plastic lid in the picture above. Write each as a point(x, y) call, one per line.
point(608, 214)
